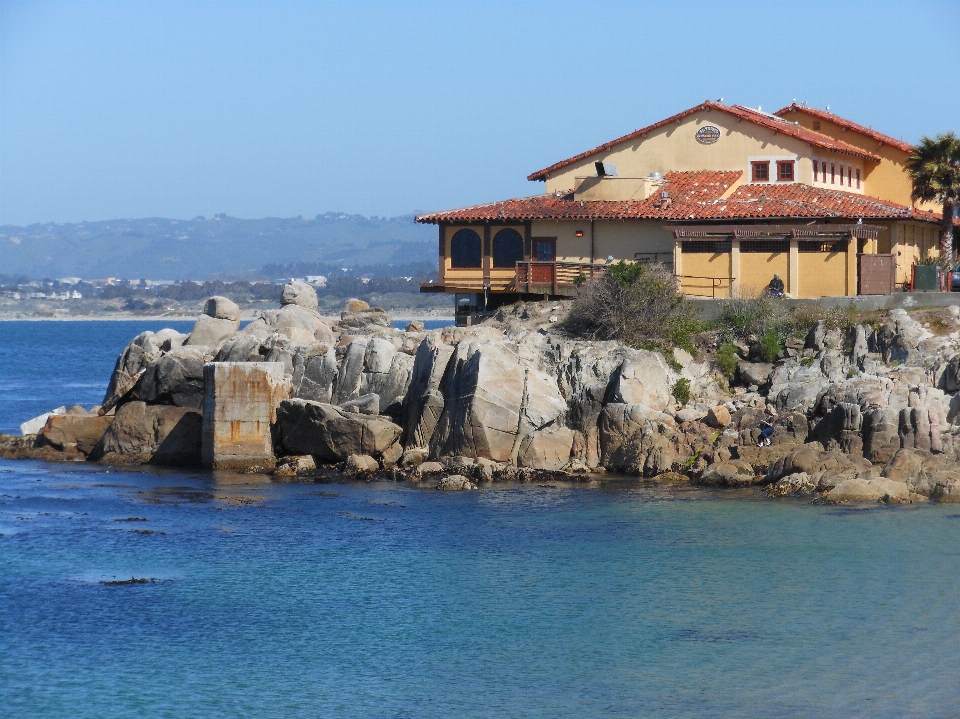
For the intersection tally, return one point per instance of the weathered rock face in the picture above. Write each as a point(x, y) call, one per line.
point(548, 450)
point(141, 351)
point(300, 294)
point(174, 378)
point(636, 439)
point(157, 434)
point(330, 434)
point(240, 406)
point(74, 432)
point(643, 379)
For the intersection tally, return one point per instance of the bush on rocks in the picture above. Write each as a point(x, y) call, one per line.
point(637, 304)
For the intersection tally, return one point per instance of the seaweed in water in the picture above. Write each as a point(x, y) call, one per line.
point(127, 582)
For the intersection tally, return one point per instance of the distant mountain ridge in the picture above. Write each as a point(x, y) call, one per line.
point(201, 248)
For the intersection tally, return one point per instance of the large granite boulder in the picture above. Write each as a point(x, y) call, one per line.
point(74, 432)
point(877, 489)
point(491, 401)
point(175, 378)
point(300, 294)
point(423, 403)
point(220, 319)
point(157, 434)
point(299, 323)
point(329, 433)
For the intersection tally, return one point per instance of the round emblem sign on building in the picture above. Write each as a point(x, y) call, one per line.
point(708, 134)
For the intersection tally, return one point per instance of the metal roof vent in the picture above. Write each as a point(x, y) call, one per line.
point(656, 176)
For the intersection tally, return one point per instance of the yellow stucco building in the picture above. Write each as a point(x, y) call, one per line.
point(725, 195)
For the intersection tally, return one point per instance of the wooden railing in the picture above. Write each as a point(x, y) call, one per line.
point(553, 277)
point(709, 285)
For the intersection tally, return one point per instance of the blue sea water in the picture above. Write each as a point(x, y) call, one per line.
point(346, 599)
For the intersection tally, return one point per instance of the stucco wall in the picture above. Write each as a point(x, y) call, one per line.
point(758, 268)
point(674, 147)
point(622, 239)
point(822, 274)
point(697, 265)
point(887, 179)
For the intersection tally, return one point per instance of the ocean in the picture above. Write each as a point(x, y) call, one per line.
point(616, 598)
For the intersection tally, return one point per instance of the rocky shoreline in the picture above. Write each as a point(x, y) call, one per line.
point(869, 414)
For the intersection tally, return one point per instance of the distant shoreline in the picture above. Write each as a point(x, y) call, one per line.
point(244, 317)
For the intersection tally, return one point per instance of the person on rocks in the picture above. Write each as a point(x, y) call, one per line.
point(775, 288)
point(766, 429)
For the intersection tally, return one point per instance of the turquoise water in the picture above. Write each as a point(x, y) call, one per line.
point(342, 599)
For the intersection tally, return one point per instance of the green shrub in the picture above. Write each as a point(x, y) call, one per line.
point(637, 304)
point(770, 346)
point(681, 390)
point(727, 360)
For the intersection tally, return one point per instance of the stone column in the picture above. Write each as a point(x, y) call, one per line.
point(240, 404)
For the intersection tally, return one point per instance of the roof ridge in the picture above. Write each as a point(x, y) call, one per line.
point(796, 131)
point(849, 124)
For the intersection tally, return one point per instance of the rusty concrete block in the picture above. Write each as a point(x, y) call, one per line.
point(240, 404)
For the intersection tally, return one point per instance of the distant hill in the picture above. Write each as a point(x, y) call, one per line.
point(222, 246)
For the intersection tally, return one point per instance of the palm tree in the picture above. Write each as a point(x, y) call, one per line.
point(935, 171)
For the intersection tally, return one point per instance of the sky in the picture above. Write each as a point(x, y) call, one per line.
point(178, 109)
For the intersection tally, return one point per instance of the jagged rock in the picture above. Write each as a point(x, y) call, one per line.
point(328, 433)
point(689, 414)
point(222, 308)
point(549, 450)
point(455, 483)
point(314, 372)
point(414, 326)
point(175, 378)
point(643, 378)
point(636, 439)
point(880, 432)
point(242, 347)
point(813, 460)
point(733, 473)
point(869, 490)
point(361, 464)
point(367, 404)
point(718, 417)
point(390, 457)
point(141, 351)
point(157, 434)
point(74, 432)
point(753, 373)
point(293, 465)
point(423, 404)
point(798, 484)
point(300, 294)
point(413, 457)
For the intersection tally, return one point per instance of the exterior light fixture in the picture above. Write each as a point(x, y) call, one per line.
point(579, 233)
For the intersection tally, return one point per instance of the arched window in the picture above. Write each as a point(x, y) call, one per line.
point(465, 250)
point(507, 249)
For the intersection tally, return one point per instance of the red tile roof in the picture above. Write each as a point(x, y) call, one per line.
point(744, 113)
point(694, 196)
point(843, 122)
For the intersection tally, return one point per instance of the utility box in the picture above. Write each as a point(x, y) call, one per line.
point(240, 405)
point(926, 278)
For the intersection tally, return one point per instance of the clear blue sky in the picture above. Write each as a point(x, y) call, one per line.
point(178, 109)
